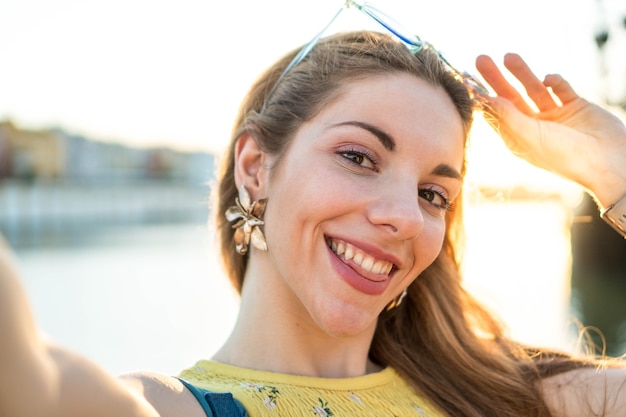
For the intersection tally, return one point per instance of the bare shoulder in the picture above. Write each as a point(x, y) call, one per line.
point(166, 394)
point(587, 392)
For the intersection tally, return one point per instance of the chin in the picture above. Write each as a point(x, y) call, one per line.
point(347, 321)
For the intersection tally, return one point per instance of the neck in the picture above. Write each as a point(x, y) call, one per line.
point(274, 332)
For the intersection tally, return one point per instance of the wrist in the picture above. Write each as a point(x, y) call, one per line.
point(609, 188)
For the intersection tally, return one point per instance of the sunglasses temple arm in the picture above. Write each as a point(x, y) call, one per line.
point(303, 52)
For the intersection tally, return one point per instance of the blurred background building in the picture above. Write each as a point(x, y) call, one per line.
point(53, 182)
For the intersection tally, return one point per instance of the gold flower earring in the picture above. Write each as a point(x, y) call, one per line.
point(248, 226)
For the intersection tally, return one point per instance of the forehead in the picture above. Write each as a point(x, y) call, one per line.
point(413, 111)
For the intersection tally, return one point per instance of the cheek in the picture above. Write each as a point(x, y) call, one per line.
point(292, 200)
point(430, 242)
point(303, 190)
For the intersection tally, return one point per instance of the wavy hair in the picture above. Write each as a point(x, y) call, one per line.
point(439, 339)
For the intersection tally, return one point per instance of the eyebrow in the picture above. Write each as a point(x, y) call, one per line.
point(386, 140)
point(442, 170)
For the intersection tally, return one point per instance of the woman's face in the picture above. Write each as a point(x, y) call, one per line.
point(357, 204)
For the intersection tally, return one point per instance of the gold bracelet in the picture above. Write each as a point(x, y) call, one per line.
point(615, 215)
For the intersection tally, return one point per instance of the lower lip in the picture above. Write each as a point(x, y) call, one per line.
point(355, 280)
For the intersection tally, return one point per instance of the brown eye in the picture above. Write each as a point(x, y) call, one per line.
point(435, 198)
point(358, 158)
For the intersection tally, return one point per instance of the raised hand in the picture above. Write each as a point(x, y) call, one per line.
point(565, 134)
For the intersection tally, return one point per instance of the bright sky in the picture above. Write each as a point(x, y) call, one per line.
point(173, 72)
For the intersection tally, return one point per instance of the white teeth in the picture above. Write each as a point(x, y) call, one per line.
point(341, 248)
point(365, 261)
point(349, 253)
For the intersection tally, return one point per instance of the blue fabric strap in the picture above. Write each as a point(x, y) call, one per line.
point(216, 404)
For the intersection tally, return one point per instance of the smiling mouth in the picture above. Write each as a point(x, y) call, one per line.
point(348, 252)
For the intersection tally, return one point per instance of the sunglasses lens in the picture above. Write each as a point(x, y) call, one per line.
point(475, 85)
point(409, 38)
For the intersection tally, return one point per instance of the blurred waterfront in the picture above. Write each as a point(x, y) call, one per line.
point(132, 296)
point(49, 211)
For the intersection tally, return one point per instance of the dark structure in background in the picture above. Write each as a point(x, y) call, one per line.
point(598, 252)
point(599, 278)
point(610, 40)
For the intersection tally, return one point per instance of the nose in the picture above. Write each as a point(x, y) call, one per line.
point(397, 210)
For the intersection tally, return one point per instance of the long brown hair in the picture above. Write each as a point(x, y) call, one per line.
point(439, 339)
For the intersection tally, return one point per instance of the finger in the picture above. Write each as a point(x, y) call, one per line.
point(503, 116)
point(536, 90)
point(492, 75)
point(561, 88)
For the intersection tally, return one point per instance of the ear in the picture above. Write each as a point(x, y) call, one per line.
point(250, 168)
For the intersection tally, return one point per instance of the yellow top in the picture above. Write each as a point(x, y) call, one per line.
point(273, 394)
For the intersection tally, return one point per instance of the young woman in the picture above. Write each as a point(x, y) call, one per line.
point(339, 223)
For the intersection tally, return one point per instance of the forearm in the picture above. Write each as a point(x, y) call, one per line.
point(587, 392)
point(42, 380)
point(87, 390)
point(28, 381)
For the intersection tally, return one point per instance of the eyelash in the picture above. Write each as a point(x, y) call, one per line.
point(351, 153)
point(447, 205)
